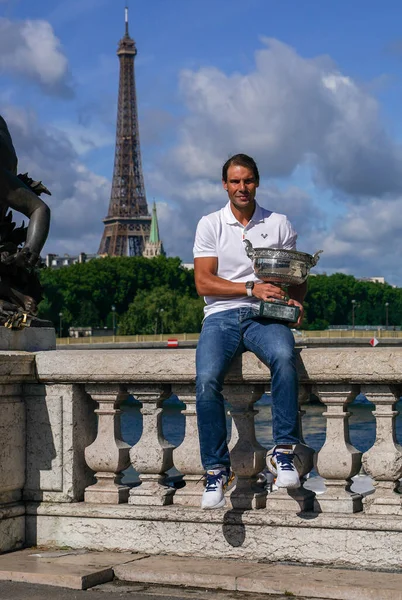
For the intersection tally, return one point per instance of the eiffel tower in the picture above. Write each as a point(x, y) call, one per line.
point(128, 222)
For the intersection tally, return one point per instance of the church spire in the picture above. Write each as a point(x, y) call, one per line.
point(154, 235)
point(154, 246)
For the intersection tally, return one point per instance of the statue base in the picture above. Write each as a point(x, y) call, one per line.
point(28, 339)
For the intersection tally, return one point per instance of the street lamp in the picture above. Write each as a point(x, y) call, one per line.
point(353, 313)
point(114, 319)
point(386, 314)
point(161, 317)
point(61, 321)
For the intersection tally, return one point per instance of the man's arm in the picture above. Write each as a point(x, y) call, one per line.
point(209, 284)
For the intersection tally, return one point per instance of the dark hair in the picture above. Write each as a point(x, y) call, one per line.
point(241, 160)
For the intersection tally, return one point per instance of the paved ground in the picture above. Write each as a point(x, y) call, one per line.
point(123, 591)
point(34, 573)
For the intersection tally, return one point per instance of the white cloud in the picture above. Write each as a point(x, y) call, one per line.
point(85, 138)
point(366, 241)
point(288, 111)
point(30, 49)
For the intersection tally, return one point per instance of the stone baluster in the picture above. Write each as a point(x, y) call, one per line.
point(187, 457)
point(108, 455)
point(247, 456)
point(338, 461)
point(300, 499)
point(383, 461)
point(152, 456)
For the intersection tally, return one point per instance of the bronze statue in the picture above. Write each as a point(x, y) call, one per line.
point(20, 289)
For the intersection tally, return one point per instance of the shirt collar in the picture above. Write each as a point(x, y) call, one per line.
point(230, 219)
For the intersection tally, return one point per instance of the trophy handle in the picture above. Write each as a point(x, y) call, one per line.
point(316, 257)
point(249, 249)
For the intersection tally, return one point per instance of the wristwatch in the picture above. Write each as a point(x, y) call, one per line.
point(249, 287)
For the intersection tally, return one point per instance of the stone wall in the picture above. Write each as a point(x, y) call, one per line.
point(74, 457)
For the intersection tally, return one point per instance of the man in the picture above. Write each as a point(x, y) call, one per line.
point(224, 275)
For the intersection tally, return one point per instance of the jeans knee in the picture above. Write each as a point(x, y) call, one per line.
point(207, 384)
point(284, 357)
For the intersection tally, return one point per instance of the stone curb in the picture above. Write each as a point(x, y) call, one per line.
point(78, 570)
point(83, 569)
point(276, 579)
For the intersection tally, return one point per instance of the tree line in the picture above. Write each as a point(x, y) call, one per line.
point(158, 295)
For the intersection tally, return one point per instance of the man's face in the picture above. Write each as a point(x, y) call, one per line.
point(241, 186)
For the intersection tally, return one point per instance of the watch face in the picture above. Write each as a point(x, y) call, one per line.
point(250, 285)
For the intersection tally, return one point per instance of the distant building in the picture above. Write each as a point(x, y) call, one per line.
point(373, 279)
point(153, 246)
point(55, 261)
point(79, 332)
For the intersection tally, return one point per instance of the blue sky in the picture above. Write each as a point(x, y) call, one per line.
point(313, 90)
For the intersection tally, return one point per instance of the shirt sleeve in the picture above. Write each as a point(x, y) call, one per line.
point(289, 236)
point(205, 240)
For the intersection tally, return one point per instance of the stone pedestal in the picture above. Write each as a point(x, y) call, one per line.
point(15, 369)
point(60, 424)
point(29, 339)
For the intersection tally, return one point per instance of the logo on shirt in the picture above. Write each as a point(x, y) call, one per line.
point(264, 235)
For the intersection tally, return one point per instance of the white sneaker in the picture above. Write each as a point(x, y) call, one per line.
point(218, 482)
point(281, 464)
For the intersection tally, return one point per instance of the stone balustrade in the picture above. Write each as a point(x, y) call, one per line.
point(74, 457)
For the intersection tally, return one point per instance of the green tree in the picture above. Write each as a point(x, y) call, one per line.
point(162, 309)
point(85, 293)
point(329, 302)
point(88, 290)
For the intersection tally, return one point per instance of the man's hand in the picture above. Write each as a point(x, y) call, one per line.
point(268, 291)
point(292, 302)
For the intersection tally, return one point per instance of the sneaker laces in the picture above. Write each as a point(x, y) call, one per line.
point(285, 460)
point(213, 480)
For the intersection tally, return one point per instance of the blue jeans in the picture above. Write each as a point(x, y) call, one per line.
point(224, 336)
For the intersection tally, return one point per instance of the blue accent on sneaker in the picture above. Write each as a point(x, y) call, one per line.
point(214, 479)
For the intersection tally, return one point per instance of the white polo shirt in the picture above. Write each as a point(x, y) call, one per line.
point(221, 235)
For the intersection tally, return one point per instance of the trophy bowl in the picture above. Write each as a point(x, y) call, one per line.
point(283, 268)
point(276, 265)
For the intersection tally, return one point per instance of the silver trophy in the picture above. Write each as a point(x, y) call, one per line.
point(280, 267)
